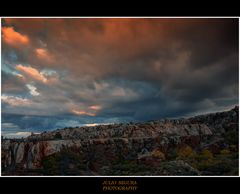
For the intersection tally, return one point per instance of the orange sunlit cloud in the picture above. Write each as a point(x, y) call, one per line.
point(83, 113)
point(91, 124)
point(95, 107)
point(13, 38)
point(43, 54)
point(32, 72)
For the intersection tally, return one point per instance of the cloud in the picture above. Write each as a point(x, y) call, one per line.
point(49, 72)
point(43, 54)
point(11, 130)
point(12, 83)
point(33, 90)
point(18, 75)
point(32, 72)
point(95, 107)
point(16, 134)
point(15, 101)
point(14, 38)
point(116, 70)
point(9, 126)
point(79, 112)
point(92, 111)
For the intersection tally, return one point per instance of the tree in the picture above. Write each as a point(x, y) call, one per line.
point(58, 135)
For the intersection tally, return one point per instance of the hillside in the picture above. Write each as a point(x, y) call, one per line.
point(201, 145)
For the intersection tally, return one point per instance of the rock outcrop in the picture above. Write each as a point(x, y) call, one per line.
point(120, 141)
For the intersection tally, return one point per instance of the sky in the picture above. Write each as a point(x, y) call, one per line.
point(63, 72)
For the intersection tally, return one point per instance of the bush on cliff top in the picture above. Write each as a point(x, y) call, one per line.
point(58, 135)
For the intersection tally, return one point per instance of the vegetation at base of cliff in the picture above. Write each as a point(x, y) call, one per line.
point(181, 161)
point(232, 137)
point(66, 162)
point(207, 163)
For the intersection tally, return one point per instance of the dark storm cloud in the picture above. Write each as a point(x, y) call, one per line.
point(12, 84)
point(221, 38)
point(106, 70)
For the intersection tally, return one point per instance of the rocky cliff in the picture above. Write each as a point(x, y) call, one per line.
point(101, 149)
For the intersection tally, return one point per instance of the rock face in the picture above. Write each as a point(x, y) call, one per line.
point(120, 141)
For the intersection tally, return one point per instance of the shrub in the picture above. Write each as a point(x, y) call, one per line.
point(66, 162)
point(232, 137)
point(186, 152)
point(225, 163)
point(50, 165)
point(158, 154)
point(233, 148)
point(215, 167)
point(206, 155)
point(225, 152)
point(172, 154)
point(58, 135)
